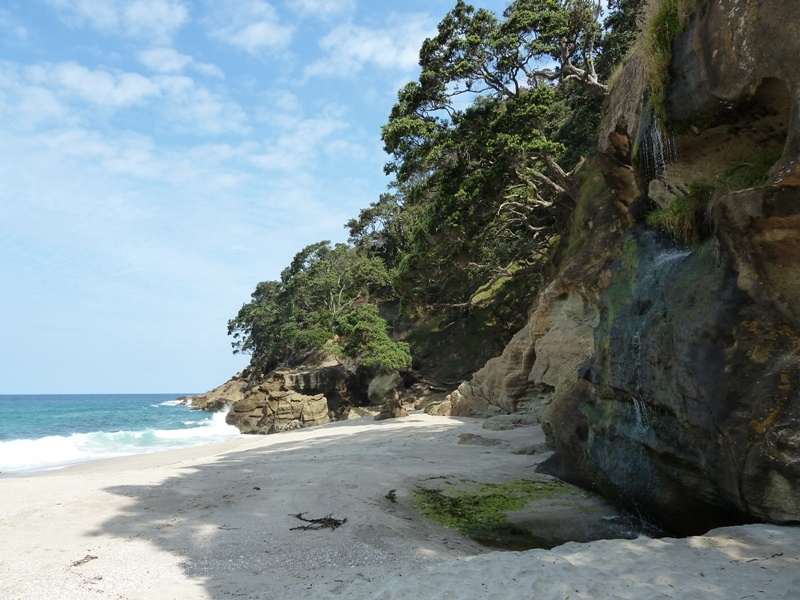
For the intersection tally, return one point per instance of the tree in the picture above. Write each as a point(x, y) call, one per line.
point(287, 319)
point(326, 278)
point(622, 26)
point(483, 149)
point(483, 176)
point(365, 336)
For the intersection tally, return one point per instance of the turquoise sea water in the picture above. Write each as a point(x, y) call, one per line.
point(40, 432)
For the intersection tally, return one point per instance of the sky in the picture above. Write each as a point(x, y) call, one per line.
point(159, 158)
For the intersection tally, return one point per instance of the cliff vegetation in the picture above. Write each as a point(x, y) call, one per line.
point(594, 221)
point(483, 149)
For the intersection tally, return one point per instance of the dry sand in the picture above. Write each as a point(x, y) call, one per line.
point(216, 522)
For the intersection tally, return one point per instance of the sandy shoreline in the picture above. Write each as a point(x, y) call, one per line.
point(216, 521)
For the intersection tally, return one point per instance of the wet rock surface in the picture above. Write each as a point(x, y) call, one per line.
point(682, 403)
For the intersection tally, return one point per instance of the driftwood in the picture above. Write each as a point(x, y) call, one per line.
point(327, 522)
point(84, 560)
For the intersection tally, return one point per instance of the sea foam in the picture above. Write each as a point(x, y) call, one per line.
point(57, 451)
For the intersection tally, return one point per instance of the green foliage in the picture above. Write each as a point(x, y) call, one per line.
point(287, 319)
point(685, 217)
point(670, 18)
point(745, 174)
point(479, 188)
point(365, 336)
point(480, 513)
point(481, 147)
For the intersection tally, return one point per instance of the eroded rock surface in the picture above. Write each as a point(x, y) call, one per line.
point(224, 395)
point(292, 399)
point(675, 372)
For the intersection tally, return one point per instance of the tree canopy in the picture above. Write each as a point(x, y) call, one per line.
point(482, 147)
point(314, 301)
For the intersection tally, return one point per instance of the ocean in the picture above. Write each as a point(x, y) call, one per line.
point(41, 432)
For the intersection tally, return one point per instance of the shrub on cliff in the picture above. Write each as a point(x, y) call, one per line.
point(364, 335)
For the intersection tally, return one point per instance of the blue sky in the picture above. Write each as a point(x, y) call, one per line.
point(159, 158)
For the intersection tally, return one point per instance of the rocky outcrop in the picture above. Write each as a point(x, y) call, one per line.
point(272, 411)
point(228, 393)
point(674, 372)
point(320, 392)
point(727, 55)
point(540, 360)
point(291, 399)
point(691, 412)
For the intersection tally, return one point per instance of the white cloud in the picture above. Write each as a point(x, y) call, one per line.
point(25, 104)
point(196, 108)
point(300, 144)
point(323, 9)
point(345, 149)
point(143, 19)
point(102, 88)
point(164, 60)
point(169, 60)
point(250, 25)
point(71, 93)
point(157, 18)
point(350, 47)
point(12, 27)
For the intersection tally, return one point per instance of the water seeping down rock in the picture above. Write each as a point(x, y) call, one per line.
point(672, 374)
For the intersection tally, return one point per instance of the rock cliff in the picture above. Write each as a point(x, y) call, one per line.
point(667, 376)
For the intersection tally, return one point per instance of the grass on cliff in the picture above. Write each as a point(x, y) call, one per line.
point(686, 219)
point(664, 21)
point(479, 513)
point(745, 174)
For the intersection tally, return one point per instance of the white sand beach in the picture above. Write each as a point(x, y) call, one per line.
point(216, 522)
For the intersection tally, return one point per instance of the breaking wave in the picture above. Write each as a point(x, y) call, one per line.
point(56, 451)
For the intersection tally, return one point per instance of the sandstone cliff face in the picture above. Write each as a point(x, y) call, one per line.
point(674, 373)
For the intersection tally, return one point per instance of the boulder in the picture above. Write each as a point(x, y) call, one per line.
point(272, 411)
point(441, 407)
point(392, 409)
point(287, 398)
point(467, 401)
point(384, 388)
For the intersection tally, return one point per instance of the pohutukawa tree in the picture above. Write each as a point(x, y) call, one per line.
point(324, 293)
point(483, 150)
point(476, 143)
